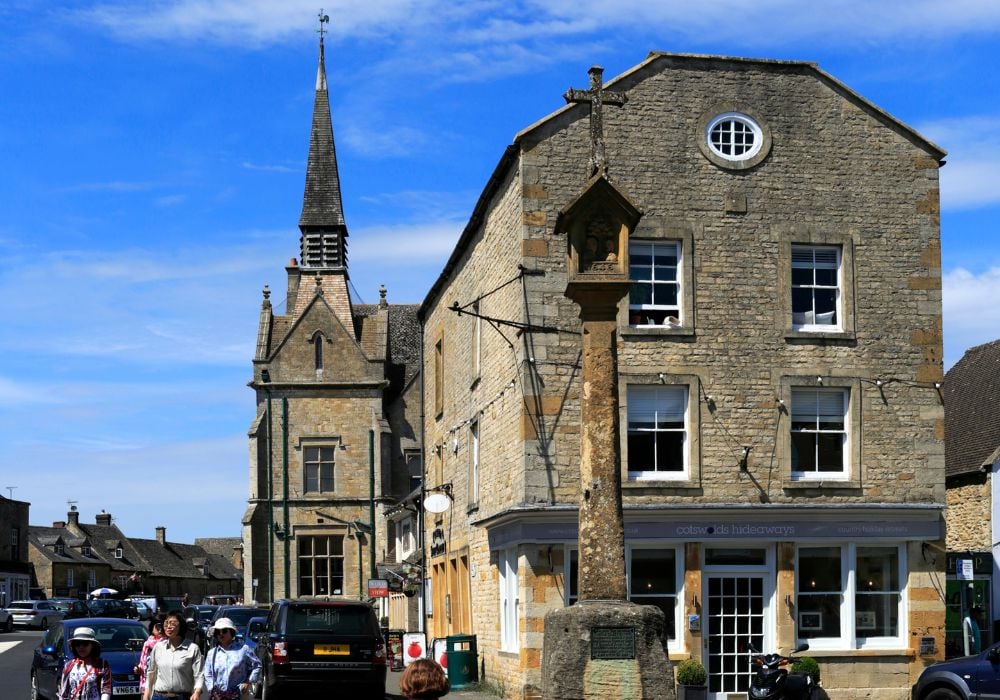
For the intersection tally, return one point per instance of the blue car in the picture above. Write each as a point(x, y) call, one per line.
point(121, 642)
point(965, 678)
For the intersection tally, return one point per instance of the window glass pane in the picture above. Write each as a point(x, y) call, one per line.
point(802, 275)
point(665, 294)
point(326, 454)
point(641, 456)
point(574, 578)
point(826, 277)
point(305, 545)
point(669, 451)
point(830, 454)
point(653, 571)
point(802, 301)
point(803, 452)
point(877, 598)
point(826, 303)
point(641, 293)
point(320, 545)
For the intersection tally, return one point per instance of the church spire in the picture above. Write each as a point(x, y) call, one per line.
point(324, 232)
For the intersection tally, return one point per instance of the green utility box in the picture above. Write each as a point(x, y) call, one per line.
point(463, 654)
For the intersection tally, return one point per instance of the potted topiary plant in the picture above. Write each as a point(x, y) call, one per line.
point(691, 678)
point(807, 664)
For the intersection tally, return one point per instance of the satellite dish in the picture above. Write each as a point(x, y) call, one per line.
point(437, 503)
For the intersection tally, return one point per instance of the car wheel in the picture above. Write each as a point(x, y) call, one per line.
point(34, 688)
point(44, 624)
point(9, 627)
point(942, 694)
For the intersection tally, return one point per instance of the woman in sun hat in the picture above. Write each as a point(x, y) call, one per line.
point(86, 676)
point(230, 667)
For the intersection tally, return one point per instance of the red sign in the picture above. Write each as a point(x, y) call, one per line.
point(414, 647)
point(378, 588)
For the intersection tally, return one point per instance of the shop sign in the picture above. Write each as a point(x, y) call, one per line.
point(378, 588)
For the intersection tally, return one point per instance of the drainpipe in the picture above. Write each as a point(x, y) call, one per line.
point(284, 485)
point(361, 564)
point(270, 500)
point(422, 605)
point(371, 499)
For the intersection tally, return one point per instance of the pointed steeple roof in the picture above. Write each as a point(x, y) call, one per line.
point(321, 204)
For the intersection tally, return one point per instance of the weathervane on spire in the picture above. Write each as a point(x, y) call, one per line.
point(323, 19)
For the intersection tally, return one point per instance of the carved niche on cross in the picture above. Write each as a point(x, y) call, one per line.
point(598, 223)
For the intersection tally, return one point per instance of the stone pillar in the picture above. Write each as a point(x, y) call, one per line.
point(602, 534)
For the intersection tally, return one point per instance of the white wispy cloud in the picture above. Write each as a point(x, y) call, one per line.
point(170, 200)
point(971, 177)
point(485, 22)
point(383, 142)
point(416, 243)
point(247, 165)
point(968, 320)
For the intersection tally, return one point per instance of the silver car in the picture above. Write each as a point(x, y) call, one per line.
point(34, 613)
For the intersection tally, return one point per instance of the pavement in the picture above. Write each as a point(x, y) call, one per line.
point(471, 693)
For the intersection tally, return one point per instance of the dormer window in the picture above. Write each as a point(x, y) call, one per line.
point(61, 550)
point(119, 553)
point(85, 550)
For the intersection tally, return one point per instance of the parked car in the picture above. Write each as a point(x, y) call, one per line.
point(121, 641)
point(113, 607)
point(71, 608)
point(148, 600)
point(239, 614)
point(311, 643)
point(961, 679)
point(6, 620)
point(219, 599)
point(141, 607)
point(34, 613)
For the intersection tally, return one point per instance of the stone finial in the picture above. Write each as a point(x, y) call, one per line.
point(293, 263)
point(267, 292)
point(382, 303)
point(319, 284)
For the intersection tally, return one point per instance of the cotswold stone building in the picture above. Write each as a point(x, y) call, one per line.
point(337, 387)
point(15, 569)
point(972, 455)
point(779, 357)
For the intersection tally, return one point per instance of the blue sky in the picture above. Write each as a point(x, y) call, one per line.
point(153, 164)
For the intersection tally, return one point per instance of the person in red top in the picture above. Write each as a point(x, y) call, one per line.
point(86, 676)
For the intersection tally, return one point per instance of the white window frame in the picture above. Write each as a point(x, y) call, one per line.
point(570, 596)
point(474, 433)
point(845, 470)
point(672, 311)
point(60, 549)
point(406, 545)
point(848, 639)
point(735, 118)
point(507, 565)
point(805, 324)
point(91, 579)
point(675, 644)
point(633, 392)
point(119, 553)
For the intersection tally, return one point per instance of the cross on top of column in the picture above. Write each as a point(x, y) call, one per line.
point(597, 97)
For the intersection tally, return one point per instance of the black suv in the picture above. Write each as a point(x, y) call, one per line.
point(961, 679)
point(311, 642)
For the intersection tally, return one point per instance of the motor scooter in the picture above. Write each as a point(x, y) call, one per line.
point(772, 681)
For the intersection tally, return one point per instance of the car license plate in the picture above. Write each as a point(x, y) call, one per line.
point(332, 649)
point(125, 690)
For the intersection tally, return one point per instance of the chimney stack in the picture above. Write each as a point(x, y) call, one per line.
point(73, 517)
point(58, 524)
point(103, 518)
point(161, 534)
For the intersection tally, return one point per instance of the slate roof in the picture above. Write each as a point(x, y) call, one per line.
point(972, 411)
point(223, 546)
point(168, 559)
point(403, 352)
point(321, 205)
point(43, 538)
point(105, 539)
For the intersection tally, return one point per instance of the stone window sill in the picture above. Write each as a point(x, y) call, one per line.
point(825, 484)
point(660, 486)
point(657, 331)
point(861, 653)
point(841, 336)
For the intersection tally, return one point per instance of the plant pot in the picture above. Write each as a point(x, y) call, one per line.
point(692, 692)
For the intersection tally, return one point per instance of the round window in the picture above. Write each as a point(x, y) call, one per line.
point(734, 136)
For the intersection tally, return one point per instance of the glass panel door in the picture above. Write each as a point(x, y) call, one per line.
point(735, 612)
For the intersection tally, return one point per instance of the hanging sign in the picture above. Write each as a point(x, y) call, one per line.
point(378, 588)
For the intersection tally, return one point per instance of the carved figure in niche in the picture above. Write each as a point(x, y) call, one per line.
point(600, 246)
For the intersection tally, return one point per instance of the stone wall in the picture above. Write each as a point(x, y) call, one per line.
point(838, 173)
point(969, 516)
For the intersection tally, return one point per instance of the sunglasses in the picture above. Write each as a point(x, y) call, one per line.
point(224, 631)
